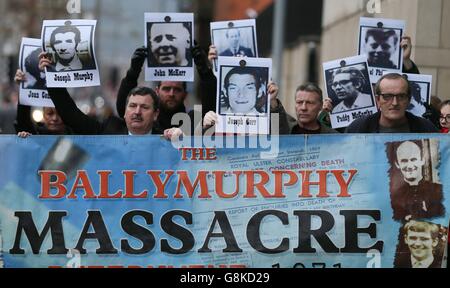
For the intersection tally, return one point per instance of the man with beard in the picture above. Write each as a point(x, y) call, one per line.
point(169, 44)
point(422, 239)
point(348, 84)
point(416, 197)
point(171, 94)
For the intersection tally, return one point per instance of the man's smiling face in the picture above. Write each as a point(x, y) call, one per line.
point(242, 93)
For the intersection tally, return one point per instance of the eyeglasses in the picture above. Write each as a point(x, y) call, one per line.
point(342, 83)
point(445, 118)
point(390, 97)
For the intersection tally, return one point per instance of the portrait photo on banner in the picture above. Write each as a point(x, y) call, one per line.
point(421, 244)
point(349, 89)
point(420, 93)
point(32, 91)
point(242, 96)
point(169, 39)
point(379, 40)
point(235, 38)
point(70, 46)
point(415, 188)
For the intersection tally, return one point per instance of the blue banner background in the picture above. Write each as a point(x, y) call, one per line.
point(20, 186)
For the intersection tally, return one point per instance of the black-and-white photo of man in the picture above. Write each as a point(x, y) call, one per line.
point(235, 48)
point(235, 38)
point(243, 96)
point(243, 91)
point(35, 77)
point(416, 106)
point(415, 190)
point(381, 47)
point(380, 40)
point(420, 86)
point(350, 88)
point(65, 41)
point(421, 245)
point(32, 81)
point(169, 44)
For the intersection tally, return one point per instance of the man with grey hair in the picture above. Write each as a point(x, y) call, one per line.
point(348, 84)
point(308, 104)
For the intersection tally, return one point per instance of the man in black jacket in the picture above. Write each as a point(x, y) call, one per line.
point(393, 95)
point(171, 94)
point(142, 109)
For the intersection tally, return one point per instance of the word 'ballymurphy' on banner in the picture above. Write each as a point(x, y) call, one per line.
point(140, 202)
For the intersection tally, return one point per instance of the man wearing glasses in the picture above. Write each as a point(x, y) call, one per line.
point(348, 84)
point(444, 118)
point(393, 95)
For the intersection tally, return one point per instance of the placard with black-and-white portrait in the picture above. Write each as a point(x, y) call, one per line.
point(420, 93)
point(243, 101)
point(349, 89)
point(169, 39)
point(235, 38)
point(415, 188)
point(379, 40)
point(70, 45)
point(32, 91)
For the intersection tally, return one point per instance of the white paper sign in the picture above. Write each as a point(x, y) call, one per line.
point(234, 38)
point(70, 43)
point(243, 101)
point(348, 86)
point(169, 38)
point(33, 91)
point(379, 40)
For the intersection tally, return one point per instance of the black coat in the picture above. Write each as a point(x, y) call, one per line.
point(421, 201)
point(82, 124)
point(370, 124)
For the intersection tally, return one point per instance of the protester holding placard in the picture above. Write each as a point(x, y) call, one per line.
point(393, 95)
point(53, 124)
point(171, 93)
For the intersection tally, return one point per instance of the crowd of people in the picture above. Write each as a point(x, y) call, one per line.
point(142, 110)
point(155, 108)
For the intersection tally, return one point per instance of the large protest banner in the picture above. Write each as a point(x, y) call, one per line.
point(320, 201)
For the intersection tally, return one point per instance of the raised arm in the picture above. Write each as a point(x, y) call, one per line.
point(23, 116)
point(131, 79)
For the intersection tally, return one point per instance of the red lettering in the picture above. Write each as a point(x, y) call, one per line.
point(82, 182)
point(183, 179)
point(306, 183)
point(160, 186)
point(342, 183)
point(47, 184)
